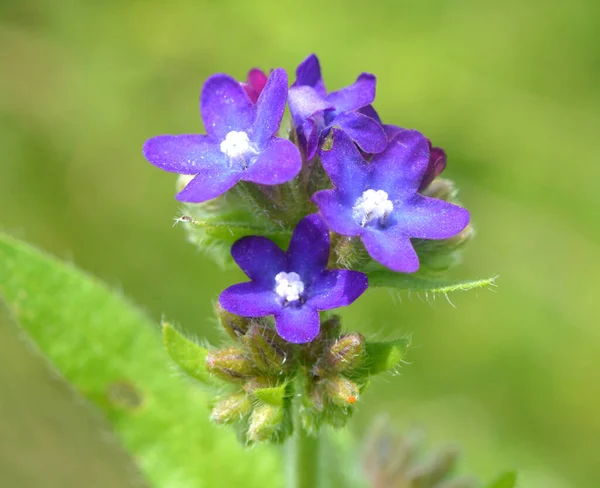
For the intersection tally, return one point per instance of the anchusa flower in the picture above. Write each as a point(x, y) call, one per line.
point(293, 286)
point(350, 219)
point(379, 201)
point(315, 111)
point(239, 144)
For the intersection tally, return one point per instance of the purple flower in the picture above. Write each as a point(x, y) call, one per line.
point(293, 285)
point(380, 201)
point(239, 144)
point(314, 111)
point(437, 157)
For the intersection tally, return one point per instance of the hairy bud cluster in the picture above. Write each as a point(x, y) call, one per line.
point(265, 380)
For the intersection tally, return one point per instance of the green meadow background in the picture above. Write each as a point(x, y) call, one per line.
point(509, 89)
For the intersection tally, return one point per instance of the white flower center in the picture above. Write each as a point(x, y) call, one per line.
point(289, 286)
point(372, 205)
point(236, 144)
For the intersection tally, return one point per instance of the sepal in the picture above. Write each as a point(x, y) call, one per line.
point(188, 355)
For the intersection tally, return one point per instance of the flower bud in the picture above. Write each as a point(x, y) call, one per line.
point(267, 356)
point(231, 364)
point(461, 238)
point(231, 409)
point(234, 325)
point(264, 422)
point(340, 391)
point(441, 188)
point(343, 355)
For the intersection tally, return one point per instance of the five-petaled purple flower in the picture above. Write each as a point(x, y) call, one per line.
point(314, 111)
point(379, 200)
point(239, 144)
point(294, 285)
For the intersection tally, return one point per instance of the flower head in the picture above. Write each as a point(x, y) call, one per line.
point(239, 144)
point(380, 201)
point(293, 285)
point(315, 111)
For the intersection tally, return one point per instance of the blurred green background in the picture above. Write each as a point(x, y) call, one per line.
point(509, 89)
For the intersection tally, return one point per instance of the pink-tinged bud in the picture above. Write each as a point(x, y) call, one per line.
point(231, 364)
point(255, 82)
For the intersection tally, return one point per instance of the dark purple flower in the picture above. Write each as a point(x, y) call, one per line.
point(239, 144)
point(437, 157)
point(380, 201)
point(314, 111)
point(293, 285)
point(255, 83)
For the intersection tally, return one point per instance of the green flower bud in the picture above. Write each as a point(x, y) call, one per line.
point(267, 356)
point(340, 391)
point(264, 422)
point(234, 325)
point(231, 409)
point(231, 364)
point(441, 188)
point(344, 354)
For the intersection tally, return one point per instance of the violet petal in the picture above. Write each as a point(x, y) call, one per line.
point(337, 288)
point(345, 166)
point(249, 300)
point(308, 251)
point(185, 154)
point(394, 251)
point(279, 161)
point(270, 107)
point(360, 94)
point(430, 218)
point(336, 212)
point(260, 259)
point(209, 183)
point(308, 73)
point(225, 107)
point(363, 130)
point(399, 169)
point(297, 324)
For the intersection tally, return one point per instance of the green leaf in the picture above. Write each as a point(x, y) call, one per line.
point(506, 480)
point(422, 283)
point(385, 356)
point(273, 396)
point(113, 355)
point(188, 355)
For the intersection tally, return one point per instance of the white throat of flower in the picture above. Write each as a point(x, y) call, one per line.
point(289, 286)
point(372, 205)
point(236, 145)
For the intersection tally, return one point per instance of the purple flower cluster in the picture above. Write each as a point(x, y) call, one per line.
point(376, 171)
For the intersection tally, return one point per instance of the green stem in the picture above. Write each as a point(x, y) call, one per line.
point(302, 460)
point(302, 451)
